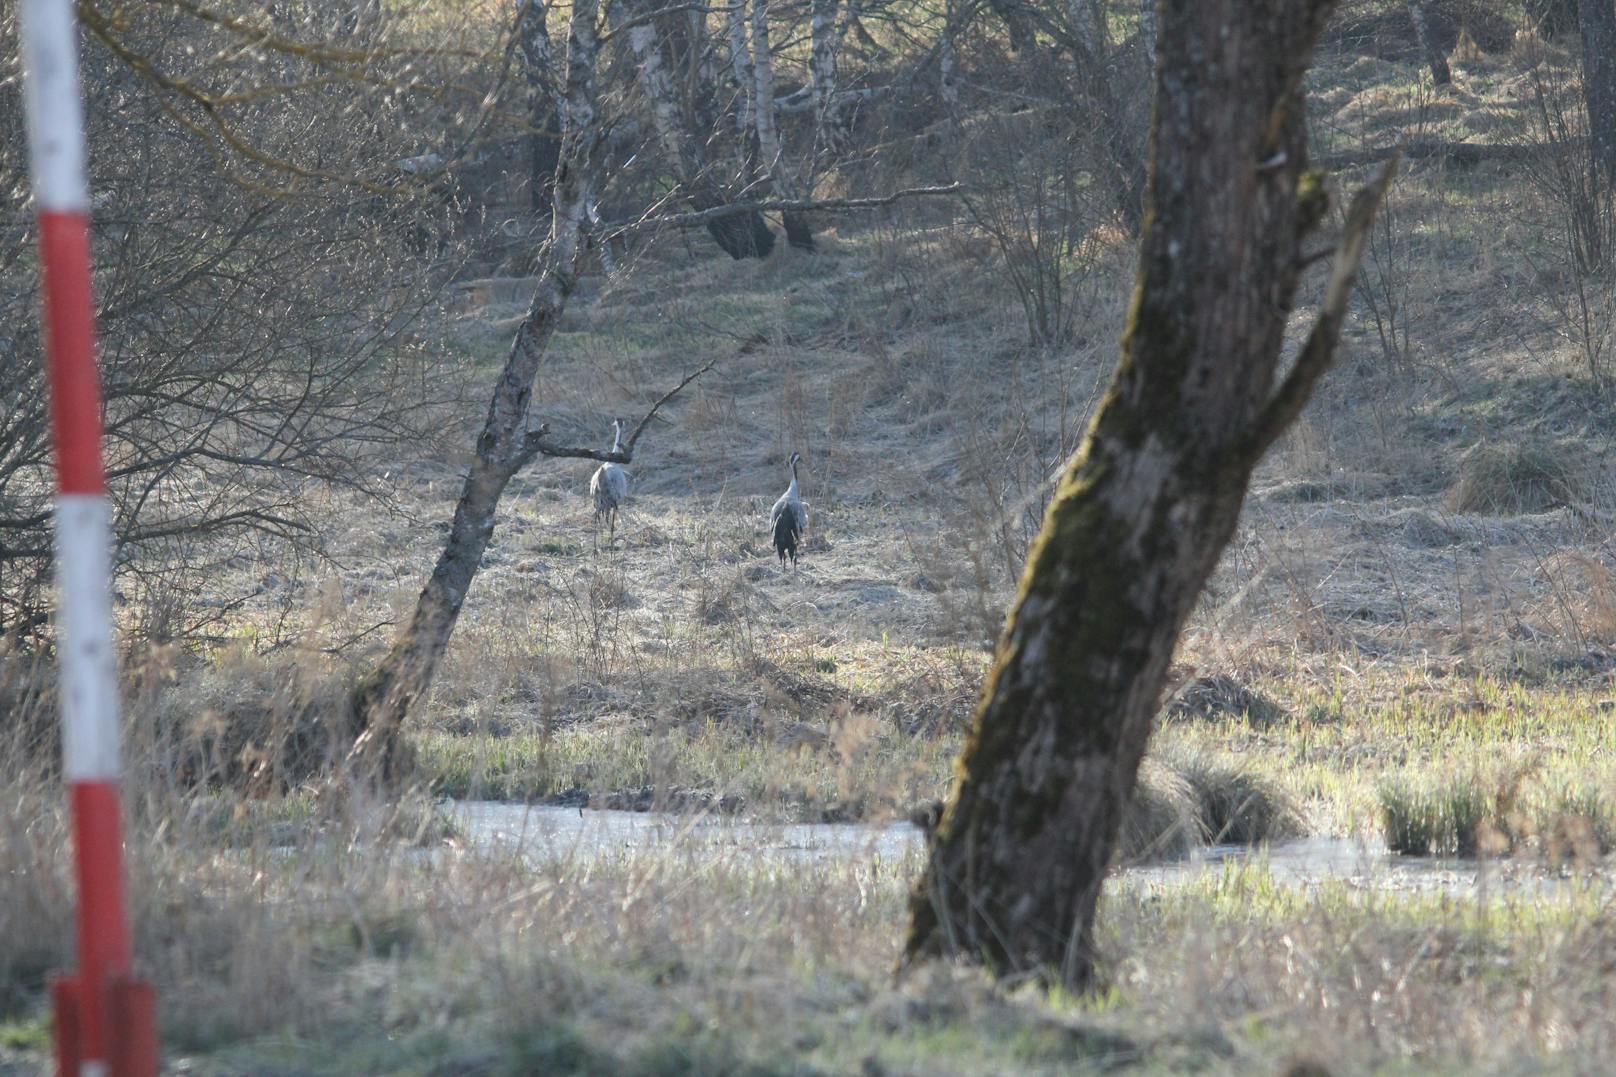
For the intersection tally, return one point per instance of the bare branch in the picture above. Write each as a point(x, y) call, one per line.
point(536, 443)
point(667, 396)
point(681, 220)
point(652, 16)
point(1319, 351)
point(803, 101)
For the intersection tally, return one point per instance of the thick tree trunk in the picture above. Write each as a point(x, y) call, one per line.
point(1440, 74)
point(798, 232)
point(1597, 18)
point(1146, 507)
point(382, 700)
point(744, 235)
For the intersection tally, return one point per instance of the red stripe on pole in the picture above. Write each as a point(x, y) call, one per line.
point(104, 951)
point(64, 245)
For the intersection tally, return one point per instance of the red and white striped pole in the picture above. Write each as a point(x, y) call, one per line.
point(104, 1018)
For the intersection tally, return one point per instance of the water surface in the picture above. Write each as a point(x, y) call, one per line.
point(548, 832)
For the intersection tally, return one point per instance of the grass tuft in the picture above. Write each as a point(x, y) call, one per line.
point(1516, 478)
point(1162, 821)
point(1237, 805)
point(1446, 819)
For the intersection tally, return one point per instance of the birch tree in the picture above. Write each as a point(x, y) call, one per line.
point(948, 79)
point(1145, 508)
point(1438, 63)
point(798, 232)
point(382, 700)
point(740, 59)
point(744, 235)
point(824, 38)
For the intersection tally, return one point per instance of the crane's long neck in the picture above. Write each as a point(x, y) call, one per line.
point(617, 437)
point(791, 491)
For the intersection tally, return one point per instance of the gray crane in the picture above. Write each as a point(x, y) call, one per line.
point(608, 487)
point(788, 520)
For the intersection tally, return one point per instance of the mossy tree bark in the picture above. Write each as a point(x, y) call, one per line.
point(382, 700)
point(1138, 521)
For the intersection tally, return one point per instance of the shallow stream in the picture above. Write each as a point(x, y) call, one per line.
point(556, 832)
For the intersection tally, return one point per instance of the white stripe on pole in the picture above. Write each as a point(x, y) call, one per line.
point(90, 732)
point(50, 56)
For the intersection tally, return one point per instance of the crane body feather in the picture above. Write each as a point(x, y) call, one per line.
point(608, 488)
point(788, 519)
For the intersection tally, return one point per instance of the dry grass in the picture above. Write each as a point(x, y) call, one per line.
point(320, 946)
point(1515, 479)
point(1418, 605)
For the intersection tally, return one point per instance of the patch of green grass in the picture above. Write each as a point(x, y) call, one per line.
point(19, 1034)
point(1441, 819)
point(1479, 812)
point(775, 772)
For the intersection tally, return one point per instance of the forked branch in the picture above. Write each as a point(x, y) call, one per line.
point(1319, 351)
point(538, 444)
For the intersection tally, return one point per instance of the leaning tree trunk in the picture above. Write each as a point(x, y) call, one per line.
point(1440, 73)
point(740, 235)
point(1597, 18)
point(1137, 524)
point(382, 700)
point(798, 232)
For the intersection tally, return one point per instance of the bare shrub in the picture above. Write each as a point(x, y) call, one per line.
point(1582, 597)
point(260, 316)
point(1384, 284)
point(1576, 282)
point(1037, 197)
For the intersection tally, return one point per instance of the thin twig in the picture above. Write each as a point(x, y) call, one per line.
point(801, 205)
point(536, 444)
